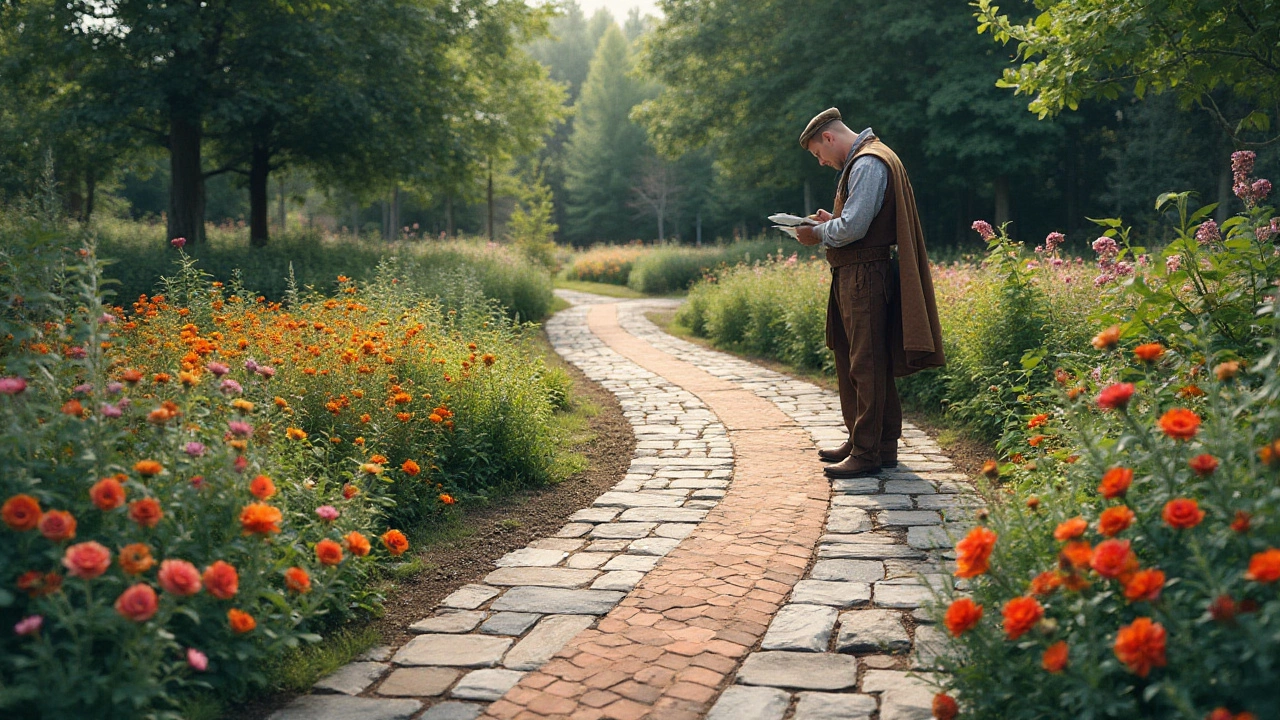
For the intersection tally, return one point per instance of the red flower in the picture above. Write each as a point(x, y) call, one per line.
point(221, 580)
point(945, 707)
point(1144, 585)
point(1204, 464)
point(21, 513)
point(58, 525)
point(1113, 559)
point(241, 622)
point(1045, 583)
point(1149, 352)
point(179, 577)
point(86, 560)
point(35, 583)
point(1140, 646)
point(1076, 555)
point(1020, 615)
point(1241, 522)
point(1116, 482)
point(962, 615)
point(1068, 529)
point(297, 580)
point(262, 487)
point(1180, 424)
point(974, 552)
point(1054, 659)
point(107, 494)
point(1264, 567)
point(1182, 513)
point(395, 542)
point(328, 552)
point(1115, 396)
point(138, 603)
point(1114, 520)
point(1037, 421)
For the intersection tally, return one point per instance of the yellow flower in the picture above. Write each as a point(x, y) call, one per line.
point(294, 433)
point(242, 405)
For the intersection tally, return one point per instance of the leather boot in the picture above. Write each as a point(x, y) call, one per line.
point(836, 454)
point(853, 466)
point(889, 455)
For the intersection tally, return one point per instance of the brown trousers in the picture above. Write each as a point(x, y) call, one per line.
point(858, 313)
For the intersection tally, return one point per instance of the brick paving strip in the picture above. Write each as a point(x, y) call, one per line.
point(680, 594)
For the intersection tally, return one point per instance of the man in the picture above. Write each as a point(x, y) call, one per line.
point(882, 320)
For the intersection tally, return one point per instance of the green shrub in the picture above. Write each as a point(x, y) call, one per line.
point(604, 264)
point(666, 269)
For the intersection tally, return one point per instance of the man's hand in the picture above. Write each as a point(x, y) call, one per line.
point(822, 216)
point(807, 236)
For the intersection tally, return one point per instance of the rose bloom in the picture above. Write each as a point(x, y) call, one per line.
point(1054, 659)
point(138, 603)
point(1116, 395)
point(962, 615)
point(1241, 522)
point(328, 513)
point(357, 544)
point(1144, 585)
point(29, 625)
point(35, 583)
point(221, 580)
point(1116, 482)
point(1068, 529)
point(297, 580)
point(1046, 583)
point(1114, 520)
point(1204, 464)
point(260, 518)
point(262, 487)
point(1140, 646)
point(944, 706)
point(447, 499)
point(1113, 559)
point(1182, 513)
point(146, 512)
point(1264, 567)
point(197, 660)
point(58, 525)
point(179, 577)
point(1180, 424)
point(395, 542)
point(1076, 555)
point(136, 559)
point(86, 560)
point(1107, 339)
point(1020, 615)
point(973, 552)
point(148, 468)
point(1150, 352)
point(410, 468)
point(107, 494)
point(328, 552)
point(21, 513)
point(241, 622)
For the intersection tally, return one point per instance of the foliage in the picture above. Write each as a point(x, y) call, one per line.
point(668, 269)
point(532, 227)
point(605, 264)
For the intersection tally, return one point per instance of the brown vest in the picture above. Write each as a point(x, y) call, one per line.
point(881, 233)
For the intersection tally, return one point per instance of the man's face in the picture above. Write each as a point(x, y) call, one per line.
point(822, 147)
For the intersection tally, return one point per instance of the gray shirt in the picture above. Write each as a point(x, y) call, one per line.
point(865, 195)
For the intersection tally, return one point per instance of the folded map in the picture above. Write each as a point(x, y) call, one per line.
point(791, 220)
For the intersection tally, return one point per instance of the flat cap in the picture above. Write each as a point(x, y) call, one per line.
point(815, 125)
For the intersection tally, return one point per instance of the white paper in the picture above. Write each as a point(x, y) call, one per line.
point(791, 220)
point(789, 230)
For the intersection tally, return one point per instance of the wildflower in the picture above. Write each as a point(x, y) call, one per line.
point(1241, 522)
point(1140, 646)
point(77, 353)
point(1113, 559)
point(241, 622)
point(962, 615)
point(1223, 609)
point(371, 468)
point(262, 488)
point(179, 577)
point(1020, 615)
point(35, 583)
point(1054, 659)
point(945, 707)
point(1116, 482)
point(194, 449)
point(1033, 503)
point(974, 552)
point(217, 368)
point(57, 525)
point(1053, 240)
point(1204, 464)
point(160, 378)
point(107, 494)
point(146, 512)
point(395, 542)
point(410, 468)
point(328, 552)
point(136, 559)
point(29, 625)
point(86, 560)
point(1208, 232)
point(1226, 370)
point(197, 481)
point(1264, 567)
point(131, 376)
point(1149, 352)
point(328, 513)
point(1260, 189)
point(1114, 520)
point(197, 660)
point(447, 499)
point(1172, 263)
point(260, 518)
point(221, 580)
point(230, 387)
point(991, 469)
point(349, 491)
point(1068, 529)
point(73, 408)
point(148, 468)
point(297, 580)
point(1107, 339)
point(12, 385)
point(983, 228)
point(244, 406)
point(1045, 583)
point(21, 513)
point(1116, 395)
point(294, 433)
point(356, 543)
point(1190, 390)
point(266, 371)
point(1182, 513)
point(1037, 440)
point(138, 603)
point(110, 411)
point(178, 242)
point(1180, 424)
point(1037, 421)
point(1144, 585)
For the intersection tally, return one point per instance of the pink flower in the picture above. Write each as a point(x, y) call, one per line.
point(114, 388)
point(1172, 263)
point(194, 449)
point(197, 660)
point(1106, 248)
point(178, 242)
point(1208, 232)
point(230, 387)
point(251, 365)
point(328, 513)
point(1053, 240)
point(107, 318)
point(1242, 162)
point(77, 353)
point(1264, 232)
point(1261, 189)
point(82, 389)
point(179, 577)
point(266, 371)
point(12, 385)
point(29, 625)
point(983, 228)
point(217, 368)
point(240, 464)
point(240, 428)
point(111, 411)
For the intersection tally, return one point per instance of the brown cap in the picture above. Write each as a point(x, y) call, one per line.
point(815, 125)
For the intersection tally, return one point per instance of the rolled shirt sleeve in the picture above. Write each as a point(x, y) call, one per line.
point(867, 182)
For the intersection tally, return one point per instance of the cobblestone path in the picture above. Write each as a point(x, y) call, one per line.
point(724, 577)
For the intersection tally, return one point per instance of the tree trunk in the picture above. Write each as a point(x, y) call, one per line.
point(282, 214)
point(448, 215)
point(72, 200)
point(699, 230)
point(259, 196)
point(186, 180)
point(1223, 211)
point(90, 185)
point(1002, 200)
point(395, 213)
point(661, 217)
point(490, 199)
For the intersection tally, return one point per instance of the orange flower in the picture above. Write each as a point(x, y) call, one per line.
point(1054, 659)
point(21, 513)
point(73, 408)
point(1182, 513)
point(395, 542)
point(107, 494)
point(35, 583)
point(1033, 502)
point(349, 491)
point(991, 469)
point(146, 512)
point(86, 560)
point(1264, 567)
point(1115, 396)
point(328, 552)
point(1150, 352)
point(1241, 522)
point(260, 518)
point(244, 406)
point(1045, 583)
point(974, 551)
point(1144, 585)
point(356, 543)
point(148, 468)
point(1114, 520)
point(136, 559)
point(138, 603)
point(1068, 529)
point(371, 468)
point(1180, 424)
point(1140, 646)
point(1107, 339)
point(1115, 482)
point(1076, 555)
point(240, 622)
point(433, 417)
point(1190, 391)
point(294, 433)
point(131, 376)
point(1204, 465)
point(1035, 441)
point(221, 580)
point(1227, 370)
point(160, 378)
point(962, 615)
point(262, 487)
point(58, 525)
point(945, 707)
point(447, 499)
point(410, 468)
point(179, 577)
point(380, 459)
point(1074, 582)
point(1037, 421)
point(297, 580)
point(1020, 615)
point(1114, 559)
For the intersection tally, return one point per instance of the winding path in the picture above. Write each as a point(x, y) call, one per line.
point(724, 577)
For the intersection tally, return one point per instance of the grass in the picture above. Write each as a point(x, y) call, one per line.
point(599, 288)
